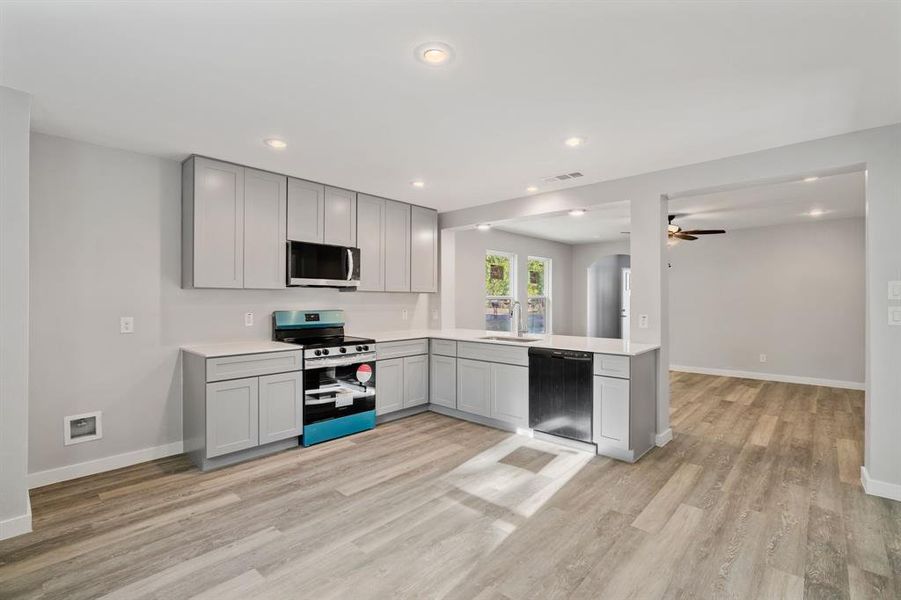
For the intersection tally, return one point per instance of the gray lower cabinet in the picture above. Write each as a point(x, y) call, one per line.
point(306, 211)
point(265, 220)
point(232, 413)
point(474, 386)
point(424, 249)
point(371, 241)
point(416, 380)
point(625, 405)
point(281, 406)
point(340, 225)
point(510, 394)
point(612, 417)
point(212, 224)
point(389, 385)
point(397, 246)
point(443, 380)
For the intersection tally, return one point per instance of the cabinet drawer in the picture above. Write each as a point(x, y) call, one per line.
point(443, 347)
point(385, 350)
point(249, 365)
point(494, 353)
point(611, 365)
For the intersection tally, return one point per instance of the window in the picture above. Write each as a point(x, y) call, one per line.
point(500, 289)
point(539, 295)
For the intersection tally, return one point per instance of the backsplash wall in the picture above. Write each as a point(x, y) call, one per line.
point(106, 243)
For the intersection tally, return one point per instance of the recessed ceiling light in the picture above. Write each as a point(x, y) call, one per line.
point(574, 142)
point(483, 226)
point(576, 212)
point(532, 188)
point(418, 183)
point(816, 212)
point(276, 143)
point(434, 54)
point(809, 179)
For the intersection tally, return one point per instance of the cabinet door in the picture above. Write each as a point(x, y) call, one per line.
point(510, 394)
point(443, 380)
point(424, 249)
point(371, 241)
point(340, 217)
point(232, 416)
point(416, 380)
point(611, 410)
point(218, 224)
point(306, 202)
point(389, 385)
point(281, 406)
point(474, 386)
point(265, 220)
point(397, 246)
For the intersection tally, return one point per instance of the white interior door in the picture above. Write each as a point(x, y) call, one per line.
point(626, 290)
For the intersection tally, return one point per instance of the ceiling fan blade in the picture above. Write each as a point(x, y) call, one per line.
point(684, 236)
point(704, 231)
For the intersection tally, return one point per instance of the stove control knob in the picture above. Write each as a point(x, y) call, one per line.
point(343, 350)
point(318, 352)
point(366, 348)
point(359, 348)
point(325, 352)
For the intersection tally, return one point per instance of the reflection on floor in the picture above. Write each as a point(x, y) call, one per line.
point(757, 496)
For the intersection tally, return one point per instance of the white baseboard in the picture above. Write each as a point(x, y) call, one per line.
point(100, 465)
point(16, 525)
point(833, 383)
point(664, 438)
point(883, 489)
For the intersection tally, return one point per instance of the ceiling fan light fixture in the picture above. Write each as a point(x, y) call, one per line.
point(673, 228)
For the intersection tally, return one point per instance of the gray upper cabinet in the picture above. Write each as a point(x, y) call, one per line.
point(306, 211)
point(424, 254)
point(371, 241)
point(265, 202)
point(212, 224)
point(340, 217)
point(397, 246)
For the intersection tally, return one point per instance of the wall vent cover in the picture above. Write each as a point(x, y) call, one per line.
point(82, 428)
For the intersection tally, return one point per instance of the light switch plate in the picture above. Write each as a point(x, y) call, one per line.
point(894, 315)
point(126, 324)
point(763, 358)
point(894, 290)
point(248, 319)
point(642, 321)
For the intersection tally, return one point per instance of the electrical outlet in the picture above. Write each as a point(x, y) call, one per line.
point(404, 314)
point(248, 319)
point(763, 358)
point(894, 315)
point(642, 321)
point(894, 290)
point(126, 324)
point(434, 314)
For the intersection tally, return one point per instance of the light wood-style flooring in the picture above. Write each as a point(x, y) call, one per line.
point(758, 496)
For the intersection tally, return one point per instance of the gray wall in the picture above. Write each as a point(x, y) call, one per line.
point(105, 243)
point(469, 275)
point(605, 298)
point(15, 115)
point(585, 255)
point(793, 292)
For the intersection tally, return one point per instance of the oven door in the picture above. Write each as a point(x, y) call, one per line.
point(321, 265)
point(338, 391)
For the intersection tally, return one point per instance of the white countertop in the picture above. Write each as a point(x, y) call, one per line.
point(235, 348)
point(557, 342)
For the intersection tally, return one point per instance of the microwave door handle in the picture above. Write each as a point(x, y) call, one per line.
point(290, 272)
point(350, 263)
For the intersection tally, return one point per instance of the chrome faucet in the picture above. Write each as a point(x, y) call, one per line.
point(517, 326)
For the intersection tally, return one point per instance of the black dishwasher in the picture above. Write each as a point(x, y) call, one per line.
point(560, 388)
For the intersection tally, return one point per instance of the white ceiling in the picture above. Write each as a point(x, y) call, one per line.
point(650, 84)
point(837, 196)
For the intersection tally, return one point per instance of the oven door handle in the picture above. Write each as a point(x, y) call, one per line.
point(320, 363)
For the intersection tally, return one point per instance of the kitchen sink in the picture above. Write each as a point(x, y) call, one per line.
point(510, 338)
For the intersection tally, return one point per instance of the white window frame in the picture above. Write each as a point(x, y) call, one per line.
point(513, 283)
point(548, 292)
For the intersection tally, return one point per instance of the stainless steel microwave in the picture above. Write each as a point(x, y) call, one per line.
point(321, 265)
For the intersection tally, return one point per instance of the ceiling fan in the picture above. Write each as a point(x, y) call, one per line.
point(676, 232)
